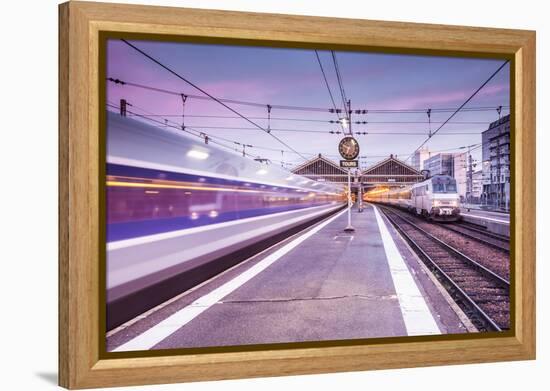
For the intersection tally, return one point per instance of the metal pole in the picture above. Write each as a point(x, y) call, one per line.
point(360, 195)
point(349, 228)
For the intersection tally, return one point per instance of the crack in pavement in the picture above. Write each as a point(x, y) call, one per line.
point(286, 300)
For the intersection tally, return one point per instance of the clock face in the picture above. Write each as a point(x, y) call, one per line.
point(348, 148)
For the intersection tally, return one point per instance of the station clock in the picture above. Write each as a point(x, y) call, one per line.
point(348, 148)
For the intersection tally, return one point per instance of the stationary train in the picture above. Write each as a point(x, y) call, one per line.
point(180, 209)
point(435, 198)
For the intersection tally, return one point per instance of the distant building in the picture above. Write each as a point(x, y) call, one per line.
point(496, 163)
point(460, 173)
point(477, 186)
point(440, 164)
point(418, 158)
point(452, 164)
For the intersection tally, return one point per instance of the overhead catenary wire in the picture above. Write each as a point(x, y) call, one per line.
point(404, 111)
point(303, 108)
point(461, 106)
point(316, 120)
point(329, 91)
point(192, 130)
point(207, 94)
point(345, 101)
point(213, 139)
point(198, 133)
point(330, 132)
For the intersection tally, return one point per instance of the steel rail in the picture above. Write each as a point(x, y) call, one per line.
point(477, 238)
point(452, 286)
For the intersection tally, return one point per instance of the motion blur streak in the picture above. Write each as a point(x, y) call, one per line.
point(160, 191)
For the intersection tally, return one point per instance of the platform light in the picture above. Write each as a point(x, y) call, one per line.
point(345, 123)
point(197, 154)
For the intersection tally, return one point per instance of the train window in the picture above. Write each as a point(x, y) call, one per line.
point(444, 187)
point(451, 187)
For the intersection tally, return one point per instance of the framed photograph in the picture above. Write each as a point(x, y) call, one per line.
point(247, 195)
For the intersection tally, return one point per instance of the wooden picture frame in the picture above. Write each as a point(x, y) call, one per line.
point(81, 364)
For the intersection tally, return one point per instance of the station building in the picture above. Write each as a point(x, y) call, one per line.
point(322, 169)
point(389, 172)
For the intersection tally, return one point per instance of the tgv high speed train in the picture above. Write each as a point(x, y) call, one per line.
point(180, 210)
point(435, 198)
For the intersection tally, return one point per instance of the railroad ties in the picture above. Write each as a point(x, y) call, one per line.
point(481, 292)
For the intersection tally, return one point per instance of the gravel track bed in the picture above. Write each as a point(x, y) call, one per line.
point(495, 260)
point(483, 237)
point(491, 297)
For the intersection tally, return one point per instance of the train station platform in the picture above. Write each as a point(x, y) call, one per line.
point(321, 284)
point(496, 222)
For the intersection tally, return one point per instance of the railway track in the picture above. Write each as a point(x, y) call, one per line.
point(483, 295)
point(480, 235)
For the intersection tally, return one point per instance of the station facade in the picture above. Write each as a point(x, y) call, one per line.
point(389, 172)
point(322, 169)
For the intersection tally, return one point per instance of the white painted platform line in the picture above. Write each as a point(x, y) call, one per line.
point(416, 314)
point(168, 326)
point(486, 218)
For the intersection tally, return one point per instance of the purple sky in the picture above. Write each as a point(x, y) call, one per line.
point(293, 77)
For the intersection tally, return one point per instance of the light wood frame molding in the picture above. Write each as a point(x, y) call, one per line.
point(80, 24)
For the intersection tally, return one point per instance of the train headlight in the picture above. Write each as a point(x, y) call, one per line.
point(436, 203)
point(454, 203)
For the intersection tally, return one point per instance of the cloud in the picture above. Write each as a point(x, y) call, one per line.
point(439, 98)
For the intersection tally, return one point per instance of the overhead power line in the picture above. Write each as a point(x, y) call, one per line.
point(461, 106)
point(329, 131)
point(192, 130)
point(345, 101)
point(303, 108)
point(214, 139)
point(202, 135)
point(329, 91)
point(319, 120)
point(207, 94)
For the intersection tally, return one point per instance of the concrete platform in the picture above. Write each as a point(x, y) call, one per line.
point(323, 284)
point(496, 222)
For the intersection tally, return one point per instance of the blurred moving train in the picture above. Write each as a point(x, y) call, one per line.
point(435, 198)
point(180, 211)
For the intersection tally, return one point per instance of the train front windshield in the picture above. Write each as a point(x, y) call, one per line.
point(444, 186)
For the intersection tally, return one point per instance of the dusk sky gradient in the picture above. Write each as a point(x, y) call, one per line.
point(281, 76)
